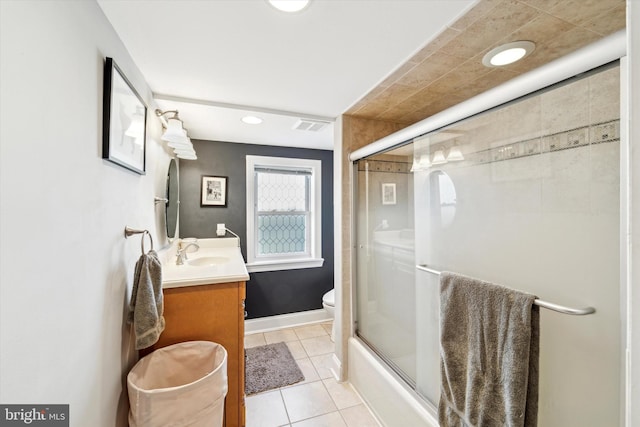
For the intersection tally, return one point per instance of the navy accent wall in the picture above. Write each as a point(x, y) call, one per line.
point(269, 293)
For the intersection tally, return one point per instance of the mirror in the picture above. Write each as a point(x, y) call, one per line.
point(443, 197)
point(173, 200)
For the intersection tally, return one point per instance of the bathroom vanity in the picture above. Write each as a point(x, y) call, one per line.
point(204, 300)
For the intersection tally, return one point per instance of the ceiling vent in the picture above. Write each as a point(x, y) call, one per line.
point(310, 125)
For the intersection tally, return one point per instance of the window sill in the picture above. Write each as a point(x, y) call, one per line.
point(285, 264)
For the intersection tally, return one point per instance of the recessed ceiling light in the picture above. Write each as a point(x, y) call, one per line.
point(508, 53)
point(289, 5)
point(251, 120)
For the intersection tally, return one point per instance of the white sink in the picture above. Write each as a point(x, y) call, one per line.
point(218, 260)
point(207, 261)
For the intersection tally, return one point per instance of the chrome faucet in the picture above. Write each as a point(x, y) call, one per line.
point(181, 255)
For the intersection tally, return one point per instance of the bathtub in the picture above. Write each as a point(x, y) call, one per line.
point(388, 396)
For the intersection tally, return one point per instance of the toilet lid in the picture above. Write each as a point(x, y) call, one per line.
point(330, 297)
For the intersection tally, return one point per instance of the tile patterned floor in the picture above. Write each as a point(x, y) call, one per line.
point(318, 401)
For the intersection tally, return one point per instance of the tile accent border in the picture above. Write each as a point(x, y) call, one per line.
point(598, 133)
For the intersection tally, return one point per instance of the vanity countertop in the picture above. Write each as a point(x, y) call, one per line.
point(216, 261)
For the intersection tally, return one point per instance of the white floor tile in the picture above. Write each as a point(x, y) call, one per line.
point(266, 410)
point(317, 346)
point(342, 394)
point(284, 335)
point(311, 331)
point(319, 401)
point(309, 372)
point(323, 365)
point(333, 419)
point(254, 340)
point(307, 401)
point(358, 416)
point(327, 327)
point(296, 349)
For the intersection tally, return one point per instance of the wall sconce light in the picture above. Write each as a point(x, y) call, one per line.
point(421, 164)
point(438, 158)
point(185, 153)
point(136, 127)
point(176, 135)
point(455, 155)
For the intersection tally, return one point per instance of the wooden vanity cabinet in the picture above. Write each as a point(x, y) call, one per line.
point(210, 313)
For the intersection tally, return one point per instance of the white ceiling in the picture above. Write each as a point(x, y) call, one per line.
point(218, 60)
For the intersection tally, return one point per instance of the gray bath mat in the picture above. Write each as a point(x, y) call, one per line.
point(270, 366)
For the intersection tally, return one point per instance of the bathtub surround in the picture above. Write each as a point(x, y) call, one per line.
point(508, 220)
point(268, 293)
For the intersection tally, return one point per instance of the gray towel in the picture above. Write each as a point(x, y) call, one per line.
point(489, 348)
point(147, 306)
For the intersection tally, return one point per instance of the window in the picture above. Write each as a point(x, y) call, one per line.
point(284, 221)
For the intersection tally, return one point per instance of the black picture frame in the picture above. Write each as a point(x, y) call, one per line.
point(124, 121)
point(214, 191)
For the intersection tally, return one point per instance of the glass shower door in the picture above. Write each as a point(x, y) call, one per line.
point(386, 261)
point(533, 205)
point(526, 195)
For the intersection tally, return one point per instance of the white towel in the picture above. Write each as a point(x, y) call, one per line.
point(147, 305)
point(489, 344)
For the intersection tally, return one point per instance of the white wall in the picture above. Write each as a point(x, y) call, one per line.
point(65, 268)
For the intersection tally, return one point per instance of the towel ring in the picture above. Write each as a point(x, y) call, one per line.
point(128, 231)
point(146, 233)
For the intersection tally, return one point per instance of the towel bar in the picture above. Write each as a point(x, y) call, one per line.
point(538, 302)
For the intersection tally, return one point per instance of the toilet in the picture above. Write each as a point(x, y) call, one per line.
point(329, 304)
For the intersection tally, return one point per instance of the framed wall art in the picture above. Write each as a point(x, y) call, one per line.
point(389, 194)
point(214, 191)
point(124, 121)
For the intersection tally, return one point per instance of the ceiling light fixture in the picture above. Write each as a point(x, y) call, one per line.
point(508, 53)
point(251, 120)
point(289, 6)
point(175, 134)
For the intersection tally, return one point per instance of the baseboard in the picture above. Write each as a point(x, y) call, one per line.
point(272, 323)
